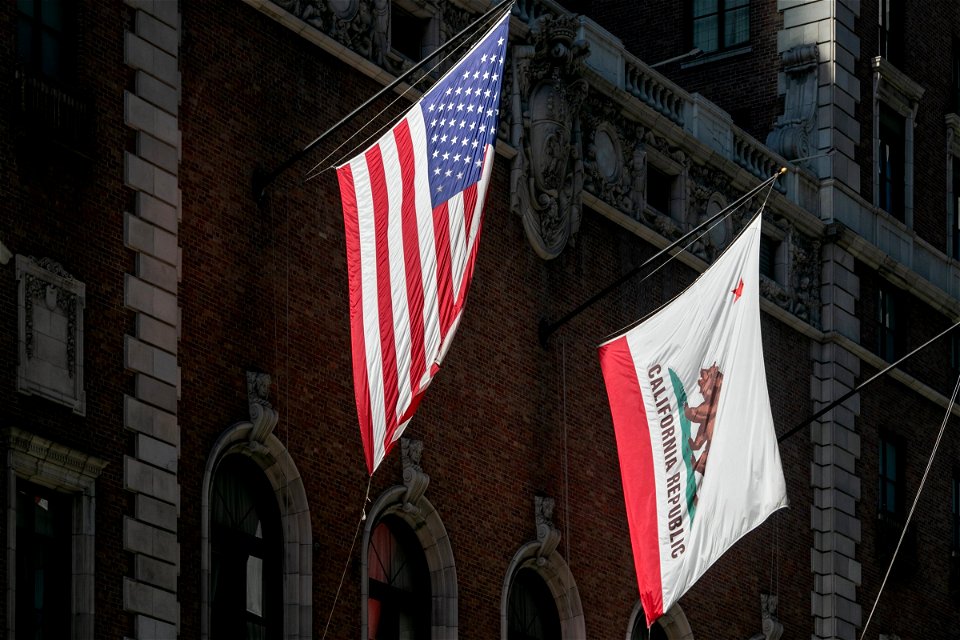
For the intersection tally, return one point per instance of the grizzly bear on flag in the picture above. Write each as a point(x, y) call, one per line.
point(704, 414)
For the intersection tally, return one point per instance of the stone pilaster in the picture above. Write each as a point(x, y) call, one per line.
point(836, 449)
point(151, 110)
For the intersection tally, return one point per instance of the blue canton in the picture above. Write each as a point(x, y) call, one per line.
point(460, 113)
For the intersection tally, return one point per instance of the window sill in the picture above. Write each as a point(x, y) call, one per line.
point(717, 56)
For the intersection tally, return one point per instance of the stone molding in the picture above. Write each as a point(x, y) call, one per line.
point(150, 170)
point(555, 572)
point(426, 524)
point(291, 496)
point(70, 471)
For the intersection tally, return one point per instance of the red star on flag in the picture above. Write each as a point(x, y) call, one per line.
point(738, 291)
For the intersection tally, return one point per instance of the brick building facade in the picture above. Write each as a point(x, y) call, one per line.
point(180, 437)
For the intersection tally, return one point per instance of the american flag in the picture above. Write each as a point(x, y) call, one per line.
point(412, 208)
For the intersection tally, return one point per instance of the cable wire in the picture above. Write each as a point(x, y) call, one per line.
point(913, 507)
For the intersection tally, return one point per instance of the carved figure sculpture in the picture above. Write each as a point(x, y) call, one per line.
point(704, 414)
point(414, 478)
point(546, 179)
point(547, 535)
point(263, 416)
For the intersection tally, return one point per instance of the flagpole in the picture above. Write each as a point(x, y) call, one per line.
point(547, 328)
point(262, 180)
point(860, 387)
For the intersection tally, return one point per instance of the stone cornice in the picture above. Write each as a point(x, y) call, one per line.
point(895, 87)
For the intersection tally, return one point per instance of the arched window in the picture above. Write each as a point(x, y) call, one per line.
point(532, 613)
point(399, 602)
point(246, 568)
point(640, 631)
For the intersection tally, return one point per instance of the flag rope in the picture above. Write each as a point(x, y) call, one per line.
point(674, 254)
point(566, 464)
point(913, 507)
point(346, 566)
point(547, 328)
point(313, 173)
point(262, 180)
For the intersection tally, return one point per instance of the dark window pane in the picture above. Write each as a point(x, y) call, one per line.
point(25, 7)
point(44, 568)
point(768, 254)
point(532, 612)
point(407, 33)
point(705, 36)
point(736, 27)
point(704, 7)
point(399, 604)
point(52, 14)
point(659, 189)
point(25, 39)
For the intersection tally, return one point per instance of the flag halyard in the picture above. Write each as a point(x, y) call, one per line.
point(412, 206)
point(693, 424)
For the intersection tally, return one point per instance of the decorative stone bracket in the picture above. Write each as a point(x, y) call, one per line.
point(547, 535)
point(414, 479)
point(771, 627)
point(791, 133)
point(263, 416)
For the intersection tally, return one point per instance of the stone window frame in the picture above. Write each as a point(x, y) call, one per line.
point(278, 467)
point(426, 12)
point(894, 89)
point(673, 622)
point(60, 468)
point(424, 520)
point(555, 572)
point(678, 188)
point(952, 123)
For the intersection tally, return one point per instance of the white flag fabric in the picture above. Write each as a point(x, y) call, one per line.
point(695, 435)
point(412, 210)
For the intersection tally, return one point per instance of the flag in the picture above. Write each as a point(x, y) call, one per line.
point(412, 209)
point(698, 451)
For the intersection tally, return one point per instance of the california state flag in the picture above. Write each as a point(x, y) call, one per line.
point(698, 451)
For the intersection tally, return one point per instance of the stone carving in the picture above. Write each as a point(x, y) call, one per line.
point(414, 478)
point(51, 332)
point(381, 31)
point(791, 133)
point(263, 416)
point(547, 174)
point(547, 535)
point(771, 627)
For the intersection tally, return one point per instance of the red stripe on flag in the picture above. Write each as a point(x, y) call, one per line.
point(388, 347)
point(636, 467)
point(411, 254)
point(441, 234)
point(361, 382)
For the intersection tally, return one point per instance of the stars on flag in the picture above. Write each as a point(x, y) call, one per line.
point(464, 102)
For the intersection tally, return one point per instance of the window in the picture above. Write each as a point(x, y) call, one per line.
point(246, 579)
point(408, 33)
point(886, 323)
point(955, 208)
point(768, 255)
point(955, 88)
point(43, 37)
point(890, 30)
point(955, 515)
point(889, 493)
point(50, 549)
point(659, 189)
point(891, 162)
point(720, 24)
point(532, 612)
point(640, 631)
point(399, 603)
point(44, 532)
